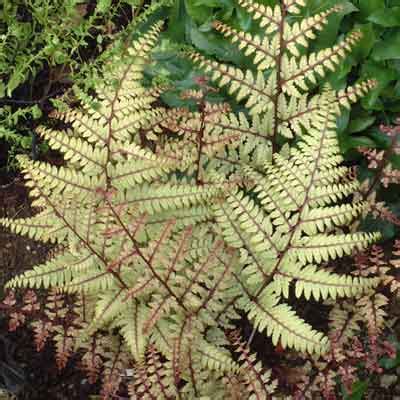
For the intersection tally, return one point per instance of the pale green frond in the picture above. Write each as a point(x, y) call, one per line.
point(93, 130)
point(94, 279)
point(41, 227)
point(144, 44)
point(253, 221)
point(237, 124)
point(59, 179)
point(301, 33)
point(109, 305)
point(283, 325)
point(57, 272)
point(257, 261)
point(322, 284)
point(322, 248)
point(263, 51)
point(323, 195)
point(155, 199)
point(126, 175)
point(278, 192)
point(255, 89)
point(299, 73)
point(75, 150)
point(326, 218)
point(131, 323)
point(352, 93)
point(132, 151)
point(216, 358)
point(270, 18)
point(183, 217)
point(294, 6)
point(299, 112)
point(147, 121)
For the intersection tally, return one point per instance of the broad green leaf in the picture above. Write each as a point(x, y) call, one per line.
point(383, 76)
point(329, 35)
point(364, 46)
point(389, 48)
point(368, 7)
point(360, 124)
point(243, 18)
point(200, 10)
point(178, 22)
point(387, 17)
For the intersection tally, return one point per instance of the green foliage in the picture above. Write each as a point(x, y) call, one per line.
point(358, 391)
point(47, 46)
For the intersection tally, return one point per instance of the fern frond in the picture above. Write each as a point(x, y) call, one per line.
point(297, 74)
point(321, 248)
point(40, 227)
point(175, 223)
point(302, 32)
point(91, 159)
point(59, 179)
point(372, 310)
point(131, 323)
point(283, 325)
point(260, 48)
point(168, 197)
point(269, 17)
point(352, 93)
point(258, 92)
point(54, 273)
point(344, 322)
point(322, 284)
point(256, 379)
point(127, 175)
point(215, 359)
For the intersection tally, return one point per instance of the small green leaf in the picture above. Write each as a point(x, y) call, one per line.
point(26, 142)
point(364, 46)
point(103, 5)
point(179, 22)
point(390, 363)
point(16, 79)
point(36, 112)
point(198, 11)
point(358, 390)
point(352, 142)
point(2, 89)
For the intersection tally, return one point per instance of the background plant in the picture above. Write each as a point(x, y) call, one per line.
point(45, 48)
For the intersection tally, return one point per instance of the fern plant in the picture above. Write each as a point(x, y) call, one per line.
point(174, 224)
